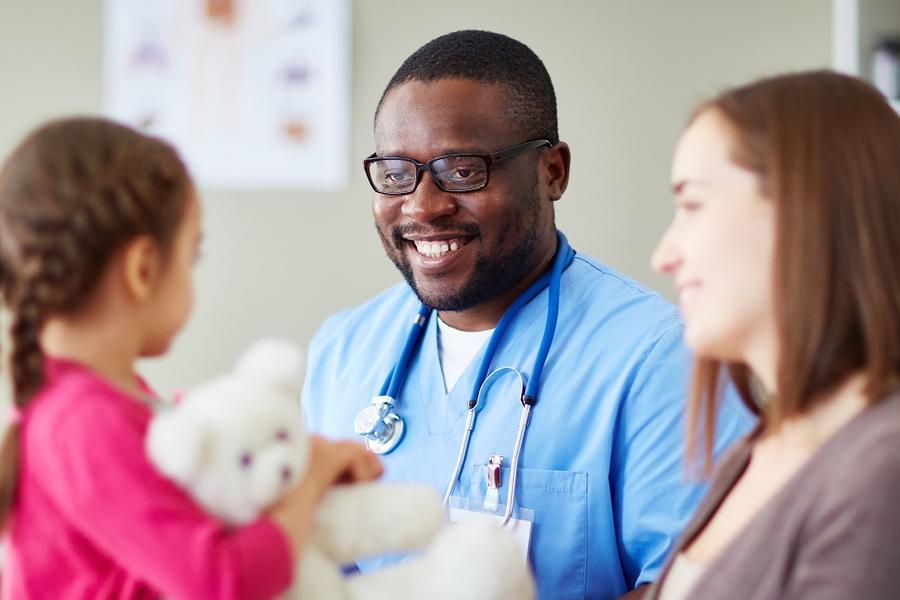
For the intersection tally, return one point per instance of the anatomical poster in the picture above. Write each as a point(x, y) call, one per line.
point(253, 93)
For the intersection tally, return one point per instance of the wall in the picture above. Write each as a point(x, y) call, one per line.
point(877, 18)
point(626, 75)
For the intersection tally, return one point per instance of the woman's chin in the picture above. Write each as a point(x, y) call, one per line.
point(705, 344)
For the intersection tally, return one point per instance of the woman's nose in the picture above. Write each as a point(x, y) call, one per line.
point(665, 258)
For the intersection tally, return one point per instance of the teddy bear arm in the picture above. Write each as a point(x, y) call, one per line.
point(404, 581)
point(469, 560)
point(369, 519)
point(317, 577)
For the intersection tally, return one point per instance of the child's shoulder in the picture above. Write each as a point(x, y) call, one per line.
point(74, 397)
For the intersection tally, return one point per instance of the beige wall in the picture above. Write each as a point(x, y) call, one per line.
point(626, 74)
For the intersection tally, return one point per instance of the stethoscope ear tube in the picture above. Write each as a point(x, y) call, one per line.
point(395, 380)
point(563, 258)
point(514, 465)
point(474, 407)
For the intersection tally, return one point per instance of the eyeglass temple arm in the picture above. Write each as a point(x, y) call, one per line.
point(519, 149)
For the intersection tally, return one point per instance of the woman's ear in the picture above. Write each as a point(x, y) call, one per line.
point(142, 264)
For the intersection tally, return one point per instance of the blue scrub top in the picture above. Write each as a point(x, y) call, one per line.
point(602, 462)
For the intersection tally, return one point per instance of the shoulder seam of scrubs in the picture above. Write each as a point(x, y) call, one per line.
point(673, 327)
point(337, 323)
point(676, 327)
point(601, 268)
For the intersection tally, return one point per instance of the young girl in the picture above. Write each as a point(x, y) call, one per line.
point(99, 231)
point(785, 250)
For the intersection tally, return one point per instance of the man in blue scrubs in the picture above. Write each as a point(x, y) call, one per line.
point(601, 464)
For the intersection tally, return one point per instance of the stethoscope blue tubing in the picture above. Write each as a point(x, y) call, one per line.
point(563, 258)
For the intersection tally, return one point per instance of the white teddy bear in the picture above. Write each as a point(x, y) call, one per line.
point(237, 443)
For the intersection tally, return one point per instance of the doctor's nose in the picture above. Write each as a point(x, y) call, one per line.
point(428, 202)
point(666, 258)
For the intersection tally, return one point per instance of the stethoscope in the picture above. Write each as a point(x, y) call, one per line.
point(383, 428)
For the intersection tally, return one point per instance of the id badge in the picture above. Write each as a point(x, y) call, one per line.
point(461, 510)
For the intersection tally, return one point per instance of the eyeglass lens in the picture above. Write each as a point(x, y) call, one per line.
point(453, 173)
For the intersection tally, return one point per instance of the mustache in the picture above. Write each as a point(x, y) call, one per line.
point(399, 232)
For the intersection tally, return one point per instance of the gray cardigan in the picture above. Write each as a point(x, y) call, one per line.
point(832, 532)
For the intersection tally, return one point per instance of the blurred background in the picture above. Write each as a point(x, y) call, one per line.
point(627, 74)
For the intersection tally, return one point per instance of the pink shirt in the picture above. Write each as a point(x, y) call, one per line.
point(93, 518)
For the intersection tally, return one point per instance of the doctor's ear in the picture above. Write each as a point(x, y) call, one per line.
point(142, 265)
point(555, 163)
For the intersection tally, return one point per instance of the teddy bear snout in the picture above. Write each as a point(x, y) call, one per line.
point(286, 473)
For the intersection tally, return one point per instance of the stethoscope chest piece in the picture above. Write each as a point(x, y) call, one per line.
point(380, 425)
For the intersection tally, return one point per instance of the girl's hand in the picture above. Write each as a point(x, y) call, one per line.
point(343, 461)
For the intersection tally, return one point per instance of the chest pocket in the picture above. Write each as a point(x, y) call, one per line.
point(558, 552)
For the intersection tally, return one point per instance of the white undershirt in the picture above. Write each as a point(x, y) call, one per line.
point(456, 349)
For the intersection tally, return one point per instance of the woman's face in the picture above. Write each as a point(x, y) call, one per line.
point(719, 248)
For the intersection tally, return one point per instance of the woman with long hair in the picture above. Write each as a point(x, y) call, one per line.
point(785, 252)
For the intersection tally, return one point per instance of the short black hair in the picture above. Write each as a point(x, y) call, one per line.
point(491, 58)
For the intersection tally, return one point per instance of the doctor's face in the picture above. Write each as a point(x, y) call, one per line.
point(460, 249)
point(719, 247)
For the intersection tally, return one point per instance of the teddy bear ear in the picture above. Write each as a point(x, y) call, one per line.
point(177, 444)
point(278, 362)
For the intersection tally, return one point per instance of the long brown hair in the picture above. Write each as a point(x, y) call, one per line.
point(71, 194)
point(826, 150)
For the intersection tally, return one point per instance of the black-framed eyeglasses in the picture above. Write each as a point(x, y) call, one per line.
point(459, 172)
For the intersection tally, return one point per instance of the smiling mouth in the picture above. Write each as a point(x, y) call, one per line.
point(437, 248)
point(686, 292)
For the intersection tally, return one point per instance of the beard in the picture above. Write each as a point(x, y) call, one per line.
point(492, 274)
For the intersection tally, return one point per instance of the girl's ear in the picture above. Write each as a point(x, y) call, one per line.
point(142, 265)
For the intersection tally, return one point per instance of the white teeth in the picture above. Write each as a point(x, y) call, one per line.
point(436, 249)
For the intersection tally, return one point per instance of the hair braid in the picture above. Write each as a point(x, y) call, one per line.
point(41, 291)
point(26, 361)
